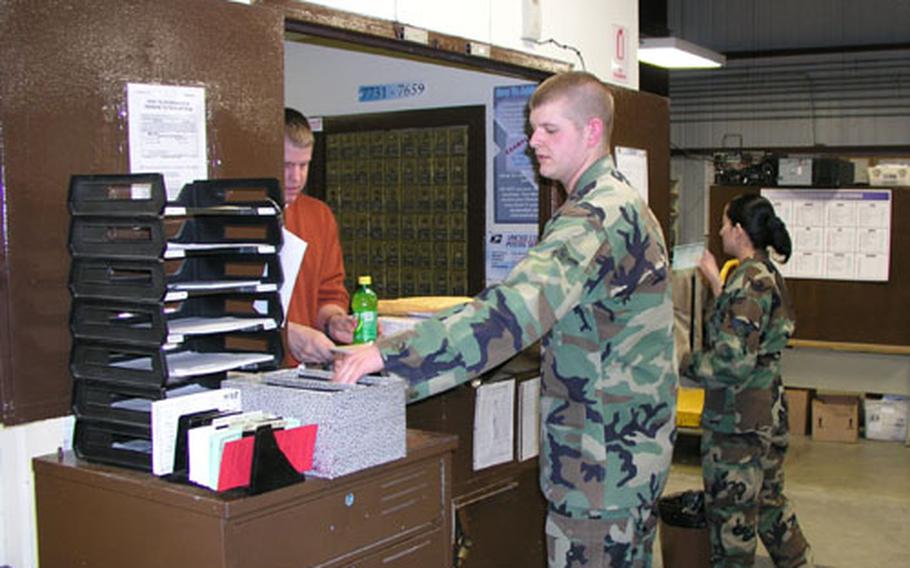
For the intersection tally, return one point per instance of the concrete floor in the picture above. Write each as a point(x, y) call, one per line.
point(852, 500)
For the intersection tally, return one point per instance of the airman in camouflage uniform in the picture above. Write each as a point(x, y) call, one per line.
point(596, 291)
point(744, 419)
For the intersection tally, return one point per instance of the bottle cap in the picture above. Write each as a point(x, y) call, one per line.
point(364, 280)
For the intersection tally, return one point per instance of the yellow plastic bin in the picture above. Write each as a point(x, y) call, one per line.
point(689, 405)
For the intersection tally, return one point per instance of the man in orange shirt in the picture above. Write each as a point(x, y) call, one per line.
point(317, 316)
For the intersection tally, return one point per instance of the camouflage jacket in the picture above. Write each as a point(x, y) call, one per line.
point(596, 290)
point(739, 365)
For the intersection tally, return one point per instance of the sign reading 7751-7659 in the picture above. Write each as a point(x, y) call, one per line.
point(373, 93)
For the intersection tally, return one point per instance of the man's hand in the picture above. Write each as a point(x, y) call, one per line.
point(340, 327)
point(309, 345)
point(357, 363)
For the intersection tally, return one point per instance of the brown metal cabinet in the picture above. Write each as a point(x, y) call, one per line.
point(394, 515)
point(500, 511)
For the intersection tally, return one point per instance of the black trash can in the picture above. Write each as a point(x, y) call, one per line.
point(683, 530)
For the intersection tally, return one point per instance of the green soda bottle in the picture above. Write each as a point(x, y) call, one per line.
point(364, 305)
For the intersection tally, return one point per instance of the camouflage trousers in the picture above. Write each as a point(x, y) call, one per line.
point(744, 495)
point(614, 539)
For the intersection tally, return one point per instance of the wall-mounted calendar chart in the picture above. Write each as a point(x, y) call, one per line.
point(838, 234)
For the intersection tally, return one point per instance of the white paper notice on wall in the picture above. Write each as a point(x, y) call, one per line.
point(493, 424)
point(633, 163)
point(837, 234)
point(167, 133)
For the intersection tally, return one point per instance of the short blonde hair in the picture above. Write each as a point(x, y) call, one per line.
point(587, 96)
point(297, 128)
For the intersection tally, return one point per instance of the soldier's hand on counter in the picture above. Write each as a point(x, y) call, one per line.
point(356, 362)
point(309, 345)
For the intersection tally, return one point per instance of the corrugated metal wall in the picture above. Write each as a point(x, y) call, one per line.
point(755, 25)
point(843, 98)
point(860, 99)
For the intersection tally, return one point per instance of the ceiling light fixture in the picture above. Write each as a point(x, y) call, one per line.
point(675, 53)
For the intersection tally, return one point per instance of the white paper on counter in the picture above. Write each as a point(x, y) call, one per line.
point(177, 328)
point(528, 419)
point(179, 250)
point(166, 415)
point(222, 285)
point(493, 424)
point(205, 446)
point(185, 364)
point(145, 405)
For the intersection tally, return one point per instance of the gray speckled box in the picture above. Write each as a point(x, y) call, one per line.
point(360, 425)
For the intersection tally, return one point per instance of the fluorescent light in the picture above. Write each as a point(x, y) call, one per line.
point(675, 53)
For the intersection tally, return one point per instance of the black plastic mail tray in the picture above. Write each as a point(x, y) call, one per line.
point(144, 195)
point(125, 445)
point(263, 230)
point(204, 357)
point(126, 404)
point(236, 196)
point(158, 280)
point(152, 237)
point(134, 195)
point(160, 323)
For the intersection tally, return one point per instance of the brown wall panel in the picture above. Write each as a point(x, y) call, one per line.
point(65, 67)
point(643, 121)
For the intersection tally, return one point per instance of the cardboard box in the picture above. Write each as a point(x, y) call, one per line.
point(797, 410)
point(835, 418)
point(886, 418)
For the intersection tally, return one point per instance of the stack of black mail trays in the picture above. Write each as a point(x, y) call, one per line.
point(168, 297)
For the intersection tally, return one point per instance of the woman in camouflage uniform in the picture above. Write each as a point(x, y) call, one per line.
point(744, 420)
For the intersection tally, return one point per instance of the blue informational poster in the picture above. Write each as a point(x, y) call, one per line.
point(505, 250)
point(514, 177)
